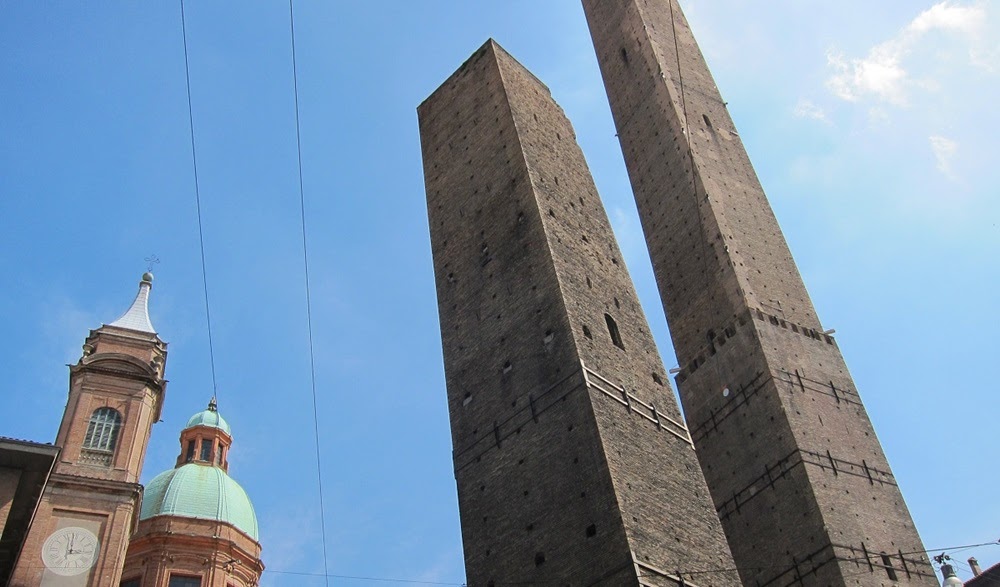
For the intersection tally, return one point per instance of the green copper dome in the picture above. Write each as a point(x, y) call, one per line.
point(200, 491)
point(210, 418)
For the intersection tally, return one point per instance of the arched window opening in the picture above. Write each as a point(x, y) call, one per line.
point(206, 450)
point(102, 437)
point(616, 336)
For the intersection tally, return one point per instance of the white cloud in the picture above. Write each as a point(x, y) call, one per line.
point(944, 151)
point(946, 16)
point(885, 75)
point(807, 109)
point(880, 74)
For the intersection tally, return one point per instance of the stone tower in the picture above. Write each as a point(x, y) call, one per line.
point(89, 506)
point(572, 464)
point(797, 475)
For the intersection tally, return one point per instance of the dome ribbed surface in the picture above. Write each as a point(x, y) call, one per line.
point(199, 491)
point(209, 418)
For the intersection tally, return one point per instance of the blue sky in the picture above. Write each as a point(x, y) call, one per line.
point(871, 125)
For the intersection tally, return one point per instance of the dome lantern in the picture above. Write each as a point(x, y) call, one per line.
point(197, 507)
point(199, 486)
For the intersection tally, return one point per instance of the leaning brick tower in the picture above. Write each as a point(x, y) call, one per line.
point(798, 478)
point(572, 464)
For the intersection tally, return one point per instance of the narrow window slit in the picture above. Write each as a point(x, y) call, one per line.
point(616, 337)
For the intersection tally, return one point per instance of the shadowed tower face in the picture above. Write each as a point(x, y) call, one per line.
point(798, 477)
point(571, 461)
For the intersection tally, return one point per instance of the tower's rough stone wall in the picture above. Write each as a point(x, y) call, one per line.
point(798, 477)
point(572, 464)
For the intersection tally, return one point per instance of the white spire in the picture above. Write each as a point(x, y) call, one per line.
point(137, 316)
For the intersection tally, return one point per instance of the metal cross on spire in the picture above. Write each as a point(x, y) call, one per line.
point(150, 261)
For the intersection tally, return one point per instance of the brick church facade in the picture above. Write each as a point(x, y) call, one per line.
point(71, 512)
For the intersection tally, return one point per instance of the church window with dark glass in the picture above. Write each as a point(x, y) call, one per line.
point(178, 581)
point(206, 450)
point(102, 431)
point(189, 453)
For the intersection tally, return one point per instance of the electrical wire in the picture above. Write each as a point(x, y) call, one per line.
point(414, 581)
point(861, 559)
point(305, 263)
point(305, 256)
point(681, 573)
point(197, 200)
point(361, 578)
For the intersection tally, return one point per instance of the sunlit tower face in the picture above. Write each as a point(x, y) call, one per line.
point(796, 473)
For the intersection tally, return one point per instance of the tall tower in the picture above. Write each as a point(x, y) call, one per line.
point(797, 475)
point(89, 507)
point(572, 464)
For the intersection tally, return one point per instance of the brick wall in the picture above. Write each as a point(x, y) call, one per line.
point(571, 461)
point(215, 552)
point(795, 470)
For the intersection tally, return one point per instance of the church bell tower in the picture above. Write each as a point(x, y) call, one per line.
point(89, 507)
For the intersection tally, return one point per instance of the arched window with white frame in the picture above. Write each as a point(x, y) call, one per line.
point(102, 436)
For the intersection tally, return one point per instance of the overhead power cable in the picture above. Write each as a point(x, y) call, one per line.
point(197, 200)
point(305, 263)
point(554, 581)
point(416, 581)
point(361, 578)
point(859, 559)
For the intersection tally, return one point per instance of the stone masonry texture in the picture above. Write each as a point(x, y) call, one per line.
point(572, 463)
point(796, 473)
